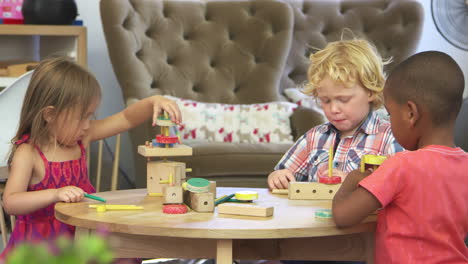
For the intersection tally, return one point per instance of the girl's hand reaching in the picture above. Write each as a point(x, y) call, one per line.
point(69, 194)
point(280, 179)
point(160, 104)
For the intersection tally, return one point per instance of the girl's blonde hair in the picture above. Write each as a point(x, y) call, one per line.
point(58, 82)
point(348, 62)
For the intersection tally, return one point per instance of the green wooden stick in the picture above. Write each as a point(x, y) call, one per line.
point(224, 199)
point(95, 197)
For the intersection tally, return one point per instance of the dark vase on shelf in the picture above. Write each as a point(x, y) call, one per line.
point(49, 12)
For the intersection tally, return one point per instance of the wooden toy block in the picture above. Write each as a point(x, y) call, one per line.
point(213, 188)
point(199, 202)
point(177, 150)
point(312, 191)
point(245, 209)
point(160, 173)
point(173, 195)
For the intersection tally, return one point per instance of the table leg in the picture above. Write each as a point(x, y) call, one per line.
point(224, 251)
point(3, 226)
point(81, 232)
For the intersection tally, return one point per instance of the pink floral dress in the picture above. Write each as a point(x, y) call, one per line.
point(42, 225)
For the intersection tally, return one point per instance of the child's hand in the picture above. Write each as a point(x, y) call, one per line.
point(160, 104)
point(69, 194)
point(280, 179)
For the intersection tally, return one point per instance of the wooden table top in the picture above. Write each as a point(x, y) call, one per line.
point(291, 218)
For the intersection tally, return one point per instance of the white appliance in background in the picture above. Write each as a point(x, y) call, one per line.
point(11, 100)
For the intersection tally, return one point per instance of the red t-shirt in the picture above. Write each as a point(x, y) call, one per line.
point(424, 195)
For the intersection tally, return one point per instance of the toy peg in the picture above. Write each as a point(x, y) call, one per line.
point(330, 179)
point(223, 199)
point(170, 181)
point(106, 207)
point(178, 135)
point(279, 191)
point(330, 162)
point(95, 197)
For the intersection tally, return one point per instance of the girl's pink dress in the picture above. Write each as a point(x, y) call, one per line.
point(42, 225)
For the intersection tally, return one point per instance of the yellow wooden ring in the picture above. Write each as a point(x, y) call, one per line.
point(246, 195)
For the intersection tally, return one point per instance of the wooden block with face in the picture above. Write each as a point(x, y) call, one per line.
point(162, 173)
point(245, 209)
point(312, 191)
point(173, 195)
point(199, 202)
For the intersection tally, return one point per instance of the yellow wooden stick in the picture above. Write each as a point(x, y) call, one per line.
point(330, 161)
point(105, 207)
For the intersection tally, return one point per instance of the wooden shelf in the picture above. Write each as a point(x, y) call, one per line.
point(44, 40)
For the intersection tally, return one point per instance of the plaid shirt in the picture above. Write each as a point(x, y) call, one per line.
point(308, 157)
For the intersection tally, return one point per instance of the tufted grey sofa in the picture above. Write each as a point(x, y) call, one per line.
point(240, 52)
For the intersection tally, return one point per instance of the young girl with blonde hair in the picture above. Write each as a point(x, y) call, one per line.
point(48, 161)
point(347, 79)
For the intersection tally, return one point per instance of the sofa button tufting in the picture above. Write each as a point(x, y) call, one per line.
point(139, 54)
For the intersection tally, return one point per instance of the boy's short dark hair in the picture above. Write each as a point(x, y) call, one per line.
point(431, 79)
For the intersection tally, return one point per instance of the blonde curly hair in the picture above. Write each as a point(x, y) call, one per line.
point(348, 62)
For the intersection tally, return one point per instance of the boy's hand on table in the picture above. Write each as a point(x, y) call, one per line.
point(280, 179)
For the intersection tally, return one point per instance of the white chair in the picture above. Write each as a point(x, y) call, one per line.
point(10, 108)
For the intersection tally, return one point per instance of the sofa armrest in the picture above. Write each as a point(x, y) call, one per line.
point(304, 119)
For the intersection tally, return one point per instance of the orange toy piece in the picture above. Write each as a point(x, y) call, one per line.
point(174, 209)
point(167, 139)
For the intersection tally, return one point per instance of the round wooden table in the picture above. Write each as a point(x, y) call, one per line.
point(291, 233)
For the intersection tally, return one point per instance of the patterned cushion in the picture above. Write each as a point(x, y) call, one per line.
point(255, 123)
point(296, 96)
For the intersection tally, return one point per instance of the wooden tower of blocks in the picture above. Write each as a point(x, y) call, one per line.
point(164, 177)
